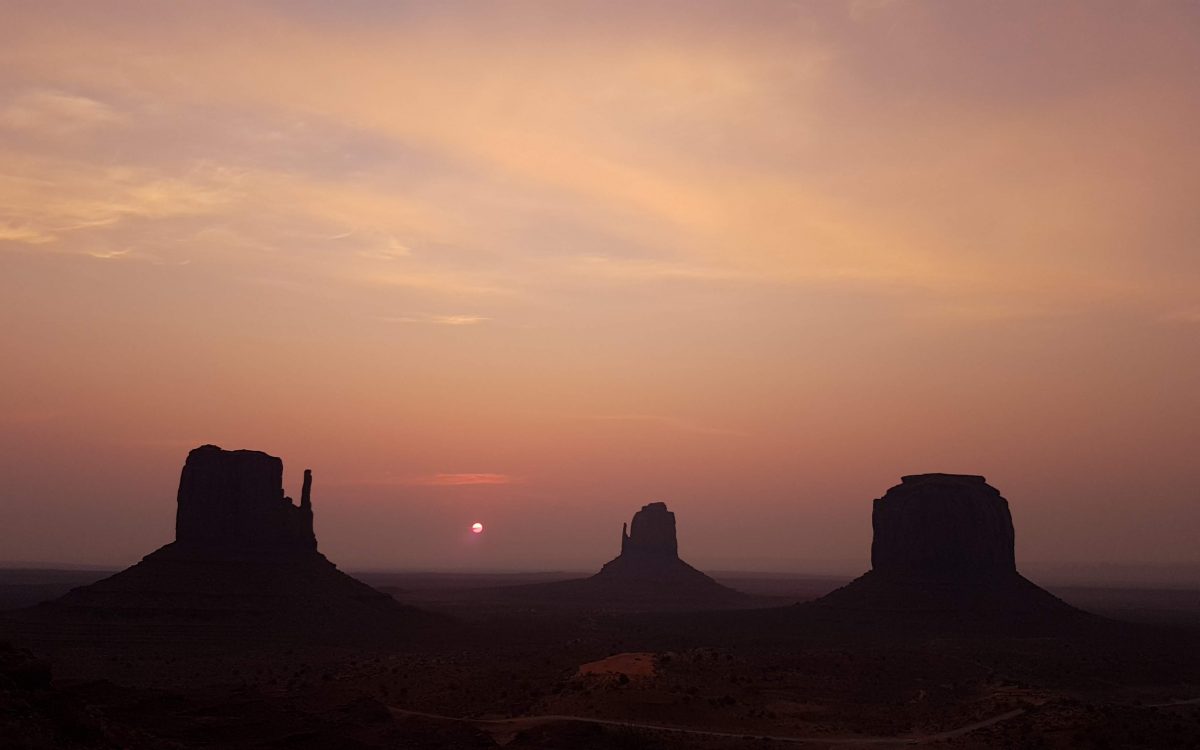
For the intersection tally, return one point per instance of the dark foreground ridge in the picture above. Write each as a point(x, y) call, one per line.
point(943, 543)
point(243, 552)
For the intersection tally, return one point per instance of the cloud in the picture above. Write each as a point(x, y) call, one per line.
point(458, 320)
point(438, 282)
point(46, 199)
point(777, 146)
point(445, 320)
point(388, 249)
point(24, 234)
point(110, 254)
point(46, 111)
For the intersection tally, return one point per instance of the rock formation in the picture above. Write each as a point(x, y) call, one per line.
point(942, 542)
point(651, 533)
point(649, 560)
point(646, 575)
point(231, 504)
point(242, 550)
point(650, 550)
point(942, 525)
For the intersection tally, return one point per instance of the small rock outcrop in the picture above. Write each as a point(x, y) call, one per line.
point(943, 543)
point(232, 504)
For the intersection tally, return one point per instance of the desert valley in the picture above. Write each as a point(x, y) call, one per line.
point(241, 634)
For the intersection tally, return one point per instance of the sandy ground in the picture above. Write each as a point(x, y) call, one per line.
point(634, 664)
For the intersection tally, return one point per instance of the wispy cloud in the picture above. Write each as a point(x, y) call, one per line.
point(55, 112)
point(444, 320)
point(437, 282)
point(110, 254)
point(477, 176)
point(24, 234)
point(43, 199)
point(458, 320)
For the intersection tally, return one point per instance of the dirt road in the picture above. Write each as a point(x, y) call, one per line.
point(511, 726)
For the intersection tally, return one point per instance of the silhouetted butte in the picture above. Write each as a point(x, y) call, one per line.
point(231, 504)
point(242, 550)
point(650, 553)
point(646, 575)
point(943, 543)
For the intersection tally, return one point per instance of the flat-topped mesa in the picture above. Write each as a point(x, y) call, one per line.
point(231, 504)
point(943, 526)
point(942, 556)
point(651, 533)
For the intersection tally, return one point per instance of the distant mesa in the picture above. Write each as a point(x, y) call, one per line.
point(943, 542)
point(242, 549)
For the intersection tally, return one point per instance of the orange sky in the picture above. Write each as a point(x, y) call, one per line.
point(537, 264)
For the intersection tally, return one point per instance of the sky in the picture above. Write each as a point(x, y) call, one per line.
point(538, 264)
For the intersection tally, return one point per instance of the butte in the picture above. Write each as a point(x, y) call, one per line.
point(647, 575)
point(943, 546)
point(244, 560)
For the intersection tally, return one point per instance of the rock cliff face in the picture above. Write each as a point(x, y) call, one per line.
point(942, 525)
point(231, 504)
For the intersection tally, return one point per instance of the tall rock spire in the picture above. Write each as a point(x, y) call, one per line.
point(306, 491)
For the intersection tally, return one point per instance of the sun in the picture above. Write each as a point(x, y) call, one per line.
point(476, 528)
